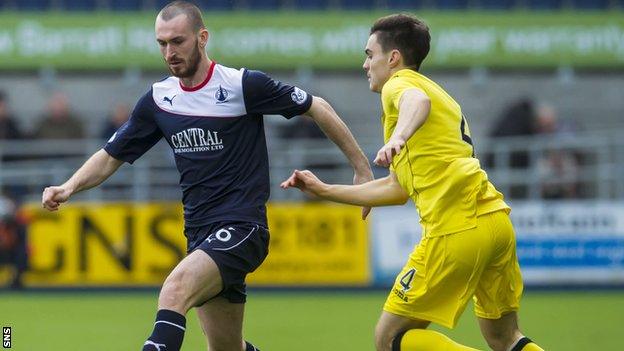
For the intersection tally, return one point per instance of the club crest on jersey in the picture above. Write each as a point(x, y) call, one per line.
point(298, 96)
point(221, 95)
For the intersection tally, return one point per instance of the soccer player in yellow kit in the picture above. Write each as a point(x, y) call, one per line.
point(468, 248)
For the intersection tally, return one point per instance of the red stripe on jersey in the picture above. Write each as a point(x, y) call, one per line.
point(202, 84)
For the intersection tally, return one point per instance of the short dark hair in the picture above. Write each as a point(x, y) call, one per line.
point(192, 12)
point(405, 33)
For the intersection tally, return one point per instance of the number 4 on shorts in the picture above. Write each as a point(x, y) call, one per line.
point(406, 279)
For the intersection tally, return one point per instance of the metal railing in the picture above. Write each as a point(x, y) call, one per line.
point(597, 171)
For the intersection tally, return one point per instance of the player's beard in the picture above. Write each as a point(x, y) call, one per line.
point(192, 64)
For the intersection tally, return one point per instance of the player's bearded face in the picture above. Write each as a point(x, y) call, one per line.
point(184, 67)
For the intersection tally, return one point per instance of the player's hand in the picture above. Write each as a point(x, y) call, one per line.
point(305, 181)
point(54, 196)
point(360, 178)
point(388, 151)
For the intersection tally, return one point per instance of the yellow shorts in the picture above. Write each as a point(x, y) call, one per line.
point(444, 272)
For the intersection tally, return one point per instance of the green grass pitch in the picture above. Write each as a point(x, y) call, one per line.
point(302, 321)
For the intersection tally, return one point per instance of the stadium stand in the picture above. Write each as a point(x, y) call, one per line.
point(497, 4)
point(264, 4)
point(544, 4)
point(405, 4)
point(357, 4)
point(126, 5)
point(305, 5)
point(79, 5)
point(451, 4)
point(590, 4)
point(209, 4)
point(311, 4)
point(33, 5)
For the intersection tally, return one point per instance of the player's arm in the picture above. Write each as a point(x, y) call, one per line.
point(330, 123)
point(380, 192)
point(414, 108)
point(93, 172)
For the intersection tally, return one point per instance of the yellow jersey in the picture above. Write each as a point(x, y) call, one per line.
point(437, 167)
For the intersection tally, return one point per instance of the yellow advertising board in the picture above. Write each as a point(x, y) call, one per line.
point(315, 244)
point(104, 244)
point(129, 244)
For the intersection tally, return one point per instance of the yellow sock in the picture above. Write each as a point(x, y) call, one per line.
point(427, 340)
point(526, 344)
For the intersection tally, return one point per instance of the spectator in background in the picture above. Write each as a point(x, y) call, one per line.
point(58, 122)
point(8, 124)
point(13, 252)
point(558, 169)
point(516, 120)
point(118, 117)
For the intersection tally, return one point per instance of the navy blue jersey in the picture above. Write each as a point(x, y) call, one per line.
point(216, 132)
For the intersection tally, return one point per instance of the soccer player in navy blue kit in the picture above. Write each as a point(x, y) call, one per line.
point(212, 117)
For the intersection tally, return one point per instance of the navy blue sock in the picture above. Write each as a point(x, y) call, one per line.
point(250, 347)
point(168, 332)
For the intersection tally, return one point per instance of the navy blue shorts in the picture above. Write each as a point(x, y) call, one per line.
point(238, 248)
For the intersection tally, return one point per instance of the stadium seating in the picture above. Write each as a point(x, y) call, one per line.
point(311, 4)
point(357, 4)
point(544, 4)
point(33, 5)
point(304, 5)
point(591, 4)
point(126, 5)
point(79, 5)
point(451, 4)
point(264, 4)
point(497, 4)
point(209, 4)
point(405, 4)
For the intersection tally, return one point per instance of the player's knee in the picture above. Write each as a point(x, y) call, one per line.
point(174, 295)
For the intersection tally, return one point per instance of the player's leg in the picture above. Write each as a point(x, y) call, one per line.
point(238, 249)
point(434, 286)
point(503, 334)
point(497, 297)
point(390, 325)
point(194, 280)
point(395, 333)
point(222, 324)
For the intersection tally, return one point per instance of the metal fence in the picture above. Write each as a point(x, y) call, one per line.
point(583, 165)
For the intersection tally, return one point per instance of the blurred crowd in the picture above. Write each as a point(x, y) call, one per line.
point(557, 169)
point(57, 122)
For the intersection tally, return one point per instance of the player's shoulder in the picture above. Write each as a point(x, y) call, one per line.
point(397, 81)
point(166, 84)
point(229, 74)
point(164, 89)
point(254, 76)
